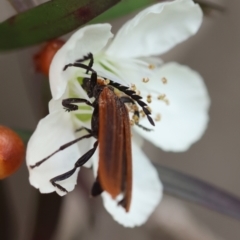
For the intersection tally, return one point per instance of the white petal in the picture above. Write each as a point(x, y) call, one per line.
point(157, 29)
point(130, 71)
point(146, 192)
point(185, 119)
point(52, 132)
point(55, 105)
point(103, 72)
point(92, 38)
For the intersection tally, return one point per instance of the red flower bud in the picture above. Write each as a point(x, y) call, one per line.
point(44, 57)
point(12, 152)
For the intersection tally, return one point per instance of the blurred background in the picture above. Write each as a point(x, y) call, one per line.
point(215, 53)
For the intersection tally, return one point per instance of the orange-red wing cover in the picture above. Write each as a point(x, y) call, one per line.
point(115, 154)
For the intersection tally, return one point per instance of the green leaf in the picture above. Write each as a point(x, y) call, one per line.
point(49, 20)
point(123, 8)
point(200, 192)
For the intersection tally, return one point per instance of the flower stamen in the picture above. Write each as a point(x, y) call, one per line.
point(142, 113)
point(149, 98)
point(162, 97)
point(145, 80)
point(158, 117)
point(164, 80)
point(133, 87)
point(151, 66)
point(135, 118)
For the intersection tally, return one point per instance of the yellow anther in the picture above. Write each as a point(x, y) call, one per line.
point(151, 66)
point(149, 98)
point(135, 107)
point(133, 87)
point(166, 101)
point(164, 80)
point(132, 122)
point(142, 113)
point(158, 117)
point(162, 97)
point(145, 80)
point(135, 118)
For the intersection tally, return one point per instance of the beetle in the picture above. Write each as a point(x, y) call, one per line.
point(110, 125)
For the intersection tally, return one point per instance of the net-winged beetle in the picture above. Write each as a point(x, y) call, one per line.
point(110, 125)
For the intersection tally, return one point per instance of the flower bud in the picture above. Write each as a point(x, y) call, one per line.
point(12, 152)
point(44, 57)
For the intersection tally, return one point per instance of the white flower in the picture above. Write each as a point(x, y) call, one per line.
point(181, 115)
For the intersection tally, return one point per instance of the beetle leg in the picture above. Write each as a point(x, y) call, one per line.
point(81, 161)
point(83, 128)
point(89, 56)
point(69, 106)
point(96, 188)
point(144, 128)
point(66, 145)
point(80, 65)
